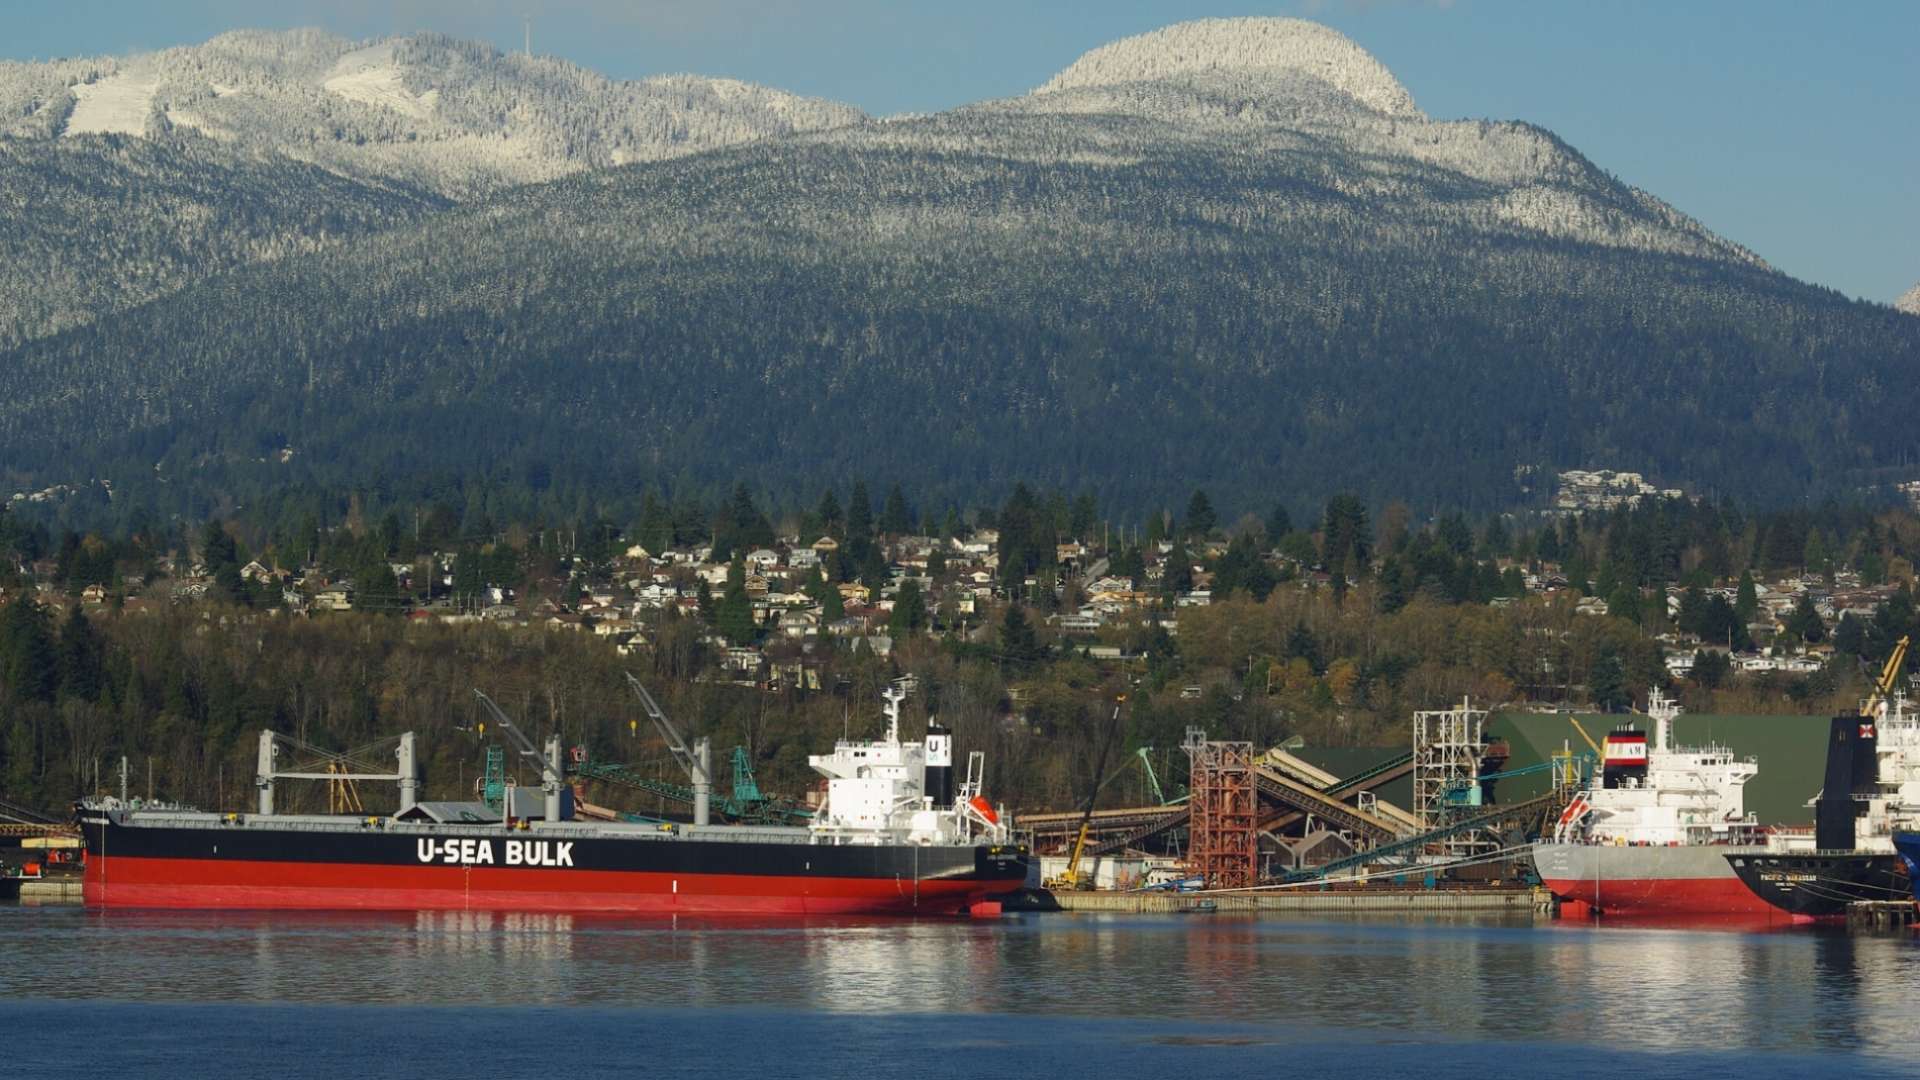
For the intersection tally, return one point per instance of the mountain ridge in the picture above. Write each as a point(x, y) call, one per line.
point(460, 117)
point(1125, 282)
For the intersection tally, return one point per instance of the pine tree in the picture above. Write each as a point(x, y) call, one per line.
point(29, 661)
point(749, 528)
point(1302, 643)
point(656, 525)
point(909, 610)
point(468, 578)
point(859, 521)
point(1026, 538)
point(1609, 684)
point(1814, 559)
point(1850, 637)
point(832, 518)
point(1176, 575)
point(1805, 624)
point(217, 548)
point(1201, 518)
point(874, 573)
point(832, 607)
point(1711, 667)
point(734, 618)
point(82, 657)
point(1018, 644)
point(1746, 603)
point(1279, 524)
point(1346, 544)
point(1548, 545)
point(1085, 512)
point(1236, 567)
point(1624, 603)
point(894, 520)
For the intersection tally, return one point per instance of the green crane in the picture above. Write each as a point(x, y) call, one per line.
point(1153, 781)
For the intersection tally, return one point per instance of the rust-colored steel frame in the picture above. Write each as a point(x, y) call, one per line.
point(1225, 812)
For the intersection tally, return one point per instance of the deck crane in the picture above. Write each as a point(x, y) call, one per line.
point(1071, 878)
point(552, 767)
point(696, 759)
point(1889, 675)
point(1583, 734)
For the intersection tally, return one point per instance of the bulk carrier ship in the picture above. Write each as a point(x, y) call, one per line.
point(1651, 838)
point(1872, 791)
point(894, 835)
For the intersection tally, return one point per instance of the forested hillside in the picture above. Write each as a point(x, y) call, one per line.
point(1256, 264)
point(100, 224)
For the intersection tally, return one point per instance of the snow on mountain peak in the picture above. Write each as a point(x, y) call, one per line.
point(1290, 48)
point(1909, 301)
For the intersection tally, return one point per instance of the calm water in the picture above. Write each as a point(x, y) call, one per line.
point(197, 995)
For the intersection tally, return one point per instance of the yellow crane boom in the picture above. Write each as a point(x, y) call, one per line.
point(1583, 734)
point(1888, 676)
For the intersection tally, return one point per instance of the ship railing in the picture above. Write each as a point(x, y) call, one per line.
point(740, 834)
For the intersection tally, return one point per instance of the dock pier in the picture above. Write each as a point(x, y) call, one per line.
point(1354, 901)
point(1882, 914)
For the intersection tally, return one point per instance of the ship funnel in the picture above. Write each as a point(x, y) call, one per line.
point(1852, 769)
point(939, 764)
point(1623, 757)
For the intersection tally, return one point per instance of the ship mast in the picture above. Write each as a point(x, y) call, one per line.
point(1662, 709)
point(895, 694)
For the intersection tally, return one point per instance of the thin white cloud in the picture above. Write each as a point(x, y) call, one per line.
point(568, 18)
point(1311, 8)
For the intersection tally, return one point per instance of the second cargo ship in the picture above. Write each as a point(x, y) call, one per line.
point(1652, 836)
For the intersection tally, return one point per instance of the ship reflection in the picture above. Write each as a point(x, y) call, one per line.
point(1671, 986)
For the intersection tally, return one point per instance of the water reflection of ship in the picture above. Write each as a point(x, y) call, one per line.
point(856, 968)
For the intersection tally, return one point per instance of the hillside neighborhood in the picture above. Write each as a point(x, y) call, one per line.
point(768, 613)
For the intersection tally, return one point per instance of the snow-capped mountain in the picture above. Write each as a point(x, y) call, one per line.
point(1256, 58)
point(1293, 87)
point(453, 116)
point(1909, 301)
point(1233, 248)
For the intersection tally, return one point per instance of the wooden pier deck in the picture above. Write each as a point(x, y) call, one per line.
point(1882, 914)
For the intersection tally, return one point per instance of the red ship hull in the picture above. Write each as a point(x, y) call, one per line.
point(188, 860)
point(122, 881)
point(1662, 896)
point(1625, 880)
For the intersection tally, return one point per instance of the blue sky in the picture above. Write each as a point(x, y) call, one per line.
point(1792, 128)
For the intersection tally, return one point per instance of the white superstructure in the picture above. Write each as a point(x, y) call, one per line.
point(1894, 805)
point(1662, 795)
point(885, 791)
